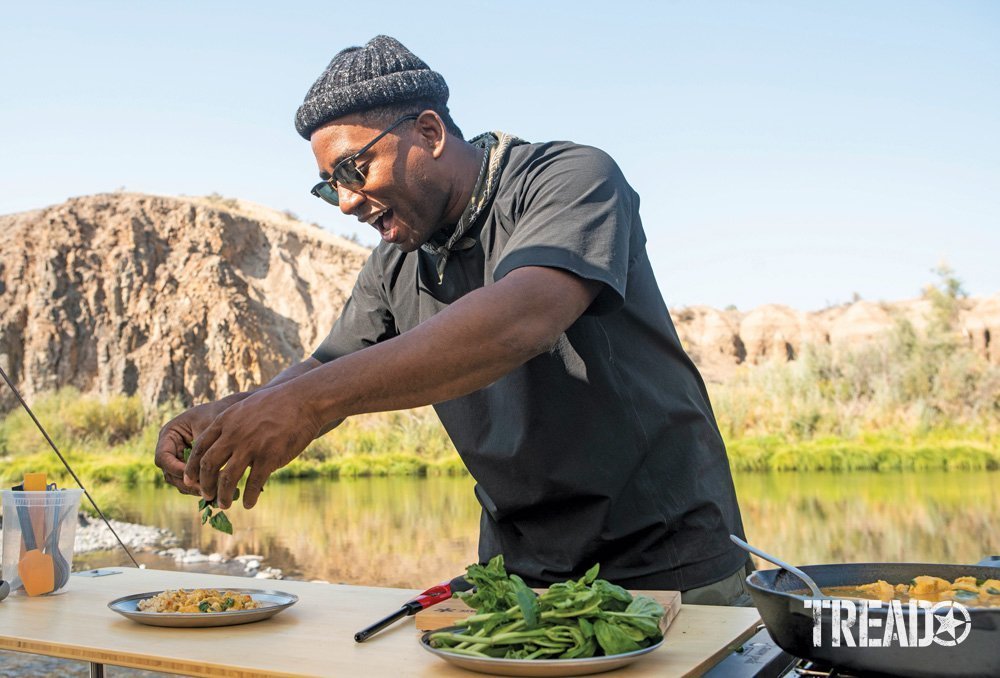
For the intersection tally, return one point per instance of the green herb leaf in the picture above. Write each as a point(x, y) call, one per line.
point(205, 515)
point(591, 574)
point(187, 453)
point(613, 639)
point(204, 606)
point(613, 597)
point(202, 504)
point(220, 522)
point(527, 600)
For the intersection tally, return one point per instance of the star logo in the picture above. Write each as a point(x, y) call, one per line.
point(952, 628)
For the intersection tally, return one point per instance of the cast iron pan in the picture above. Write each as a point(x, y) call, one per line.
point(779, 597)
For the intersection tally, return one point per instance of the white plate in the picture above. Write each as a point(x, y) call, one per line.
point(534, 667)
point(271, 603)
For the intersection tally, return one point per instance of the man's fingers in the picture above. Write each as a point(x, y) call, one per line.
point(169, 452)
point(254, 485)
point(169, 457)
point(192, 471)
point(178, 482)
point(229, 476)
point(213, 457)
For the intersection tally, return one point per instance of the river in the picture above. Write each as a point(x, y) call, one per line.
point(411, 532)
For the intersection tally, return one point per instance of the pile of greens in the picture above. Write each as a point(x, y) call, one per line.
point(574, 619)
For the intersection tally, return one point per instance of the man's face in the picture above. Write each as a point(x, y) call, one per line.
point(403, 197)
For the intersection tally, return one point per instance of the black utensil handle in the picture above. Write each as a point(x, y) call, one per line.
point(26, 530)
point(366, 633)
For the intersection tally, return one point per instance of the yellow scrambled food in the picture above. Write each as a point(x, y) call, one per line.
point(198, 600)
point(966, 590)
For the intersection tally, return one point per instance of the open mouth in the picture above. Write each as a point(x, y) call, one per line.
point(381, 221)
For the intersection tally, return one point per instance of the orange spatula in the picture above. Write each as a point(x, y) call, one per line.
point(35, 568)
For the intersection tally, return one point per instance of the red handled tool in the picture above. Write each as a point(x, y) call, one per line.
point(431, 596)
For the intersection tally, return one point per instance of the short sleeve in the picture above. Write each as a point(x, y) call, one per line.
point(575, 212)
point(365, 320)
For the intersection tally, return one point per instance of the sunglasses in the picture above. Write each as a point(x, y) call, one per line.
point(346, 172)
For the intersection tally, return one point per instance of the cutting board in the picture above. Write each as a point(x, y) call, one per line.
point(450, 611)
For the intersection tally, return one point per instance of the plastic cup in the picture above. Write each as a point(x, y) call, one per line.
point(52, 516)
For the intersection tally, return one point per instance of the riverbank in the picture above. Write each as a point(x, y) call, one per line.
point(109, 473)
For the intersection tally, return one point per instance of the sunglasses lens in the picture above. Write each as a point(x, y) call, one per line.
point(326, 192)
point(348, 175)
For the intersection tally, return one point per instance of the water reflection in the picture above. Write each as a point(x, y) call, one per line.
point(412, 532)
point(931, 517)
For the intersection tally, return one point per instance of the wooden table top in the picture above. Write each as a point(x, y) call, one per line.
point(315, 637)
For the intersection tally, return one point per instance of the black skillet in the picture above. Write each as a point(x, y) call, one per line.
point(779, 597)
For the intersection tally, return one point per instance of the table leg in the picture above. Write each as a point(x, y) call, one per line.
point(96, 670)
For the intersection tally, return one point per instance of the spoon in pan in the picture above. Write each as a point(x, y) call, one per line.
point(816, 593)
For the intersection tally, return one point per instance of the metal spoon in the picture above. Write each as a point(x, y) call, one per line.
point(816, 593)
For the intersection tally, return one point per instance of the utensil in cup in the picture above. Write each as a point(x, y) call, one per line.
point(35, 568)
point(61, 568)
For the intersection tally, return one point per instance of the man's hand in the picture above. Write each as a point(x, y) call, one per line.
point(264, 432)
point(180, 433)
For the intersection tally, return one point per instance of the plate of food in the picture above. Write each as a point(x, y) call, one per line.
point(202, 607)
point(576, 627)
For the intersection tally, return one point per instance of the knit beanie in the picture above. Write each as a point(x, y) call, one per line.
point(383, 72)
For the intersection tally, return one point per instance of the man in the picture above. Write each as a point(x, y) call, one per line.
point(512, 291)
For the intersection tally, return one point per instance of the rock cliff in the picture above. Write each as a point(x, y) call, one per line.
point(193, 298)
point(719, 341)
point(187, 298)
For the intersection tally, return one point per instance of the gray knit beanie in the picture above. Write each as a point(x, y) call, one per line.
point(383, 72)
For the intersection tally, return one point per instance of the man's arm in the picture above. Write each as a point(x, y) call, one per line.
point(475, 341)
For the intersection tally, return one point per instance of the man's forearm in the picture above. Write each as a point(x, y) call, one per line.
point(474, 342)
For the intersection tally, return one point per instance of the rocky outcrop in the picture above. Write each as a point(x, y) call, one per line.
point(193, 298)
point(775, 332)
point(187, 298)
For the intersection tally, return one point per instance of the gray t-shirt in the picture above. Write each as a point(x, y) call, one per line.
point(605, 448)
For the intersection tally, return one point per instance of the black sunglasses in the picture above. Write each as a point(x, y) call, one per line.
point(346, 172)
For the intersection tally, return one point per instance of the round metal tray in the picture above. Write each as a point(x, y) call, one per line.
point(272, 602)
point(534, 667)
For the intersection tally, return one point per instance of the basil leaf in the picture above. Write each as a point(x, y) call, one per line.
point(202, 504)
point(220, 522)
point(527, 600)
point(205, 515)
point(613, 639)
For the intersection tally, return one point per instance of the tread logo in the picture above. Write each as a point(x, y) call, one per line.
point(914, 624)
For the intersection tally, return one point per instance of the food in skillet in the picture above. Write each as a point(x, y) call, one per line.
point(198, 600)
point(588, 617)
point(969, 591)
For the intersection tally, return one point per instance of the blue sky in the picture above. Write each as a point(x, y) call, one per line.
point(785, 152)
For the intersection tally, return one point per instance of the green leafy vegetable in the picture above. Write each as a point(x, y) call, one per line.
point(219, 521)
point(578, 618)
point(204, 605)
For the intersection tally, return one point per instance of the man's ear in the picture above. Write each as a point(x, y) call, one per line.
point(432, 131)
